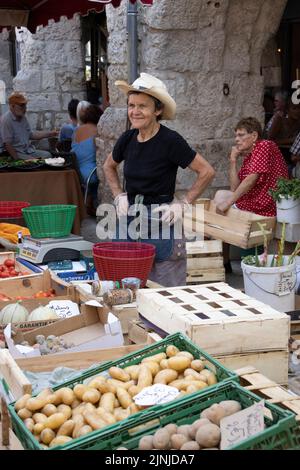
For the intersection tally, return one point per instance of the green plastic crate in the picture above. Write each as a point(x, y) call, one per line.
point(282, 431)
point(178, 339)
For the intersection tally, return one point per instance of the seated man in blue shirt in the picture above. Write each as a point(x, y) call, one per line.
point(16, 132)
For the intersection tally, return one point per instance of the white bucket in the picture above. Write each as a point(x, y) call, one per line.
point(272, 286)
point(288, 210)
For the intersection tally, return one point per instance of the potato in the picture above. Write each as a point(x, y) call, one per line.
point(196, 425)
point(37, 403)
point(191, 372)
point(117, 383)
point(116, 403)
point(184, 429)
point(67, 395)
point(94, 420)
point(172, 350)
point(212, 379)
point(171, 428)
point(197, 365)
point(179, 362)
point(121, 414)
point(108, 387)
point(146, 443)
point(208, 435)
point(190, 445)
point(164, 364)
point(133, 390)
point(165, 376)
point(107, 402)
point(21, 403)
point(29, 423)
point(47, 435)
point(105, 415)
point(145, 377)
point(156, 358)
point(23, 413)
point(39, 417)
point(65, 409)
point(161, 439)
point(198, 384)
point(45, 392)
point(66, 428)
point(133, 371)
point(79, 422)
point(96, 381)
point(186, 354)
point(59, 441)
point(79, 410)
point(55, 421)
point(79, 390)
point(133, 408)
point(86, 429)
point(91, 396)
point(89, 407)
point(119, 374)
point(192, 389)
point(124, 397)
point(49, 409)
point(177, 440)
point(215, 413)
point(54, 398)
point(37, 428)
point(230, 406)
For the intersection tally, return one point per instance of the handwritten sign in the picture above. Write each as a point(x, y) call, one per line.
point(155, 395)
point(242, 425)
point(286, 283)
point(64, 308)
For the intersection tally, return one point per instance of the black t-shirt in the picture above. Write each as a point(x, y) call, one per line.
point(150, 167)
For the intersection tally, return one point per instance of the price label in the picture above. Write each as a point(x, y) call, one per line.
point(286, 283)
point(242, 425)
point(64, 308)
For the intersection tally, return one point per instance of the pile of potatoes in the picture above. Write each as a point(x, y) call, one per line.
point(202, 434)
point(55, 418)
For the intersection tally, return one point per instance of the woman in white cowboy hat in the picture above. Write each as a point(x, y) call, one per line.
point(152, 154)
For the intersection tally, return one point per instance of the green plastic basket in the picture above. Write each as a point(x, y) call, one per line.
point(179, 340)
point(54, 221)
point(282, 431)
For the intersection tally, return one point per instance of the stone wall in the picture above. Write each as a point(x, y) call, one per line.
point(52, 71)
point(195, 47)
point(5, 68)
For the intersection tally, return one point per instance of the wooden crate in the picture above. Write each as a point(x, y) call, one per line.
point(253, 380)
point(239, 228)
point(138, 333)
point(25, 270)
point(204, 261)
point(216, 317)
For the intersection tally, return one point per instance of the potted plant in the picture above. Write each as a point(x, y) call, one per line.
point(271, 278)
point(287, 197)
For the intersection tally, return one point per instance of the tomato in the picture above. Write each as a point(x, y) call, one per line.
point(4, 275)
point(2, 268)
point(13, 273)
point(9, 263)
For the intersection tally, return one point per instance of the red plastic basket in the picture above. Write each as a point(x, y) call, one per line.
point(116, 260)
point(12, 209)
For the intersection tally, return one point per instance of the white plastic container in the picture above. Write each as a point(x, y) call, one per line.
point(288, 210)
point(273, 286)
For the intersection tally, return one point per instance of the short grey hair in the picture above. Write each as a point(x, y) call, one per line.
point(82, 105)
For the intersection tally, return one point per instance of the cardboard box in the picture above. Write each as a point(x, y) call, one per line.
point(29, 286)
point(95, 328)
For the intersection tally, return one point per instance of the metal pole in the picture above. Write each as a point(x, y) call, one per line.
point(132, 41)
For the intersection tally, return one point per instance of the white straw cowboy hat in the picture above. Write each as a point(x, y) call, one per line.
point(154, 87)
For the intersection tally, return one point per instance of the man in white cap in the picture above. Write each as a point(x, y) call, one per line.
point(16, 132)
point(152, 154)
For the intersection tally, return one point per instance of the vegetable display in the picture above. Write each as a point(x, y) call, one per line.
point(71, 413)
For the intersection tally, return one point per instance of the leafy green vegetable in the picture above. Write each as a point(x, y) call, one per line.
point(286, 188)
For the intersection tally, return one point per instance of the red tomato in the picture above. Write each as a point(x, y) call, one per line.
point(13, 273)
point(9, 263)
point(4, 274)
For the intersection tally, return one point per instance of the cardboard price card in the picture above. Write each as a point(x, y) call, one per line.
point(286, 283)
point(64, 308)
point(156, 394)
point(242, 425)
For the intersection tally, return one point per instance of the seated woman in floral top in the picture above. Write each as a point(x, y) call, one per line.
point(261, 167)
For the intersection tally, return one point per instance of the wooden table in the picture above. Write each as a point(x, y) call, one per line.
point(44, 187)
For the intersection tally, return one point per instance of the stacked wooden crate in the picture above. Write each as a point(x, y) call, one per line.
point(204, 261)
point(223, 321)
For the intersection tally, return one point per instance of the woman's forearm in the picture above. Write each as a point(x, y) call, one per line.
point(246, 185)
point(233, 176)
point(112, 177)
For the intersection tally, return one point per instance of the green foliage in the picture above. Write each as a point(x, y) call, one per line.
point(286, 188)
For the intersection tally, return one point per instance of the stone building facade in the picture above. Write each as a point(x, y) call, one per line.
point(214, 56)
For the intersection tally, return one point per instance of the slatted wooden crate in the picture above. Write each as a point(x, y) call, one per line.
point(239, 228)
point(253, 380)
point(216, 317)
point(204, 261)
